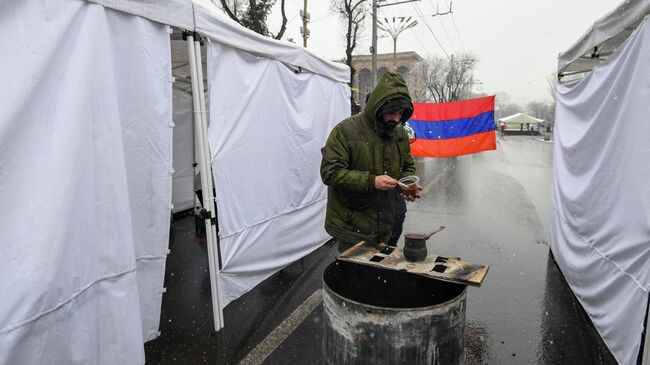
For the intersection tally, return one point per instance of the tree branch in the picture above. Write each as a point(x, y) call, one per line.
point(283, 27)
point(229, 12)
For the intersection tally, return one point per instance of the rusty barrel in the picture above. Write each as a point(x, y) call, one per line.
point(378, 316)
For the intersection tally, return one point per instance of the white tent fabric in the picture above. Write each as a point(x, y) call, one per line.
point(601, 196)
point(85, 182)
point(209, 20)
point(607, 33)
point(85, 168)
point(267, 125)
point(213, 23)
point(178, 13)
point(183, 180)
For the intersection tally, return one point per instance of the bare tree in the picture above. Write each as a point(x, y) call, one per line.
point(506, 110)
point(417, 83)
point(504, 107)
point(444, 79)
point(236, 7)
point(538, 109)
point(551, 81)
point(253, 15)
point(543, 110)
point(352, 14)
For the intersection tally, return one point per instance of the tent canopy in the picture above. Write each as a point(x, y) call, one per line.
point(520, 118)
point(207, 19)
point(604, 36)
point(87, 149)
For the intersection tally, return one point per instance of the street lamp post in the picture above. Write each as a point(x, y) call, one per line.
point(394, 27)
point(373, 49)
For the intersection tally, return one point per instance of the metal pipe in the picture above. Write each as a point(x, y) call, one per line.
point(646, 344)
point(194, 52)
point(211, 224)
point(395, 54)
point(373, 73)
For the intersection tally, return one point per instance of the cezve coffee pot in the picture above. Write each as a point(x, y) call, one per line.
point(415, 244)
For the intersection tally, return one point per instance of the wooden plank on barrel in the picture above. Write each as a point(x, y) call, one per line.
point(436, 267)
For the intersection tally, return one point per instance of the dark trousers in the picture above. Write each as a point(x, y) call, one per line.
point(398, 220)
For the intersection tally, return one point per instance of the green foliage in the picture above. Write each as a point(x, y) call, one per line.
point(255, 16)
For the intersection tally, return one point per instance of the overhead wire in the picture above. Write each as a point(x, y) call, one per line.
point(453, 21)
point(444, 28)
point(447, 34)
point(414, 33)
point(424, 20)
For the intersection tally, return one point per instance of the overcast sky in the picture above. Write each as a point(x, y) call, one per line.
point(516, 41)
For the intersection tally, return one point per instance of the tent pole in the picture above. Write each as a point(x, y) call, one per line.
point(206, 174)
point(646, 344)
point(216, 254)
point(206, 153)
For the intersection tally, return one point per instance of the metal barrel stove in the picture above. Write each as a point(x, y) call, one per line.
point(377, 316)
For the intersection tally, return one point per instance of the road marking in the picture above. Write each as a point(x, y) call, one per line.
point(281, 332)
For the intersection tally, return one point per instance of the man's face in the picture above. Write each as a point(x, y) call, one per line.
point(392, 119)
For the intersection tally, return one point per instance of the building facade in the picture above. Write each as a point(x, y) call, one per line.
point(405, 61)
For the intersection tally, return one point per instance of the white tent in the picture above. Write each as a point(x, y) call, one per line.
point(602, 38)
point(518, 119)
point(600, 234)
point(90, 110)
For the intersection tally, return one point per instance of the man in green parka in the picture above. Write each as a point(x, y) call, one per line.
point(363, 158)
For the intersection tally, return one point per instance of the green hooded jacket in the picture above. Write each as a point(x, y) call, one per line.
point(358, 149)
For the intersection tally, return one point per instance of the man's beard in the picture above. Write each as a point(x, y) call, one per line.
point(390, 125)
point(384, 129)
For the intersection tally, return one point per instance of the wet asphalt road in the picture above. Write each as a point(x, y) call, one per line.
point(496, 207)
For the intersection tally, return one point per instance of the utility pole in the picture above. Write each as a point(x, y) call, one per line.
point(373, 49)
point(304, 30)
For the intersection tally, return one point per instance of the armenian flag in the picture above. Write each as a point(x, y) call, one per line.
point(453, 129)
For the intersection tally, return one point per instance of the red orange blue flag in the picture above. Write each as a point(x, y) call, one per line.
point(453, 129)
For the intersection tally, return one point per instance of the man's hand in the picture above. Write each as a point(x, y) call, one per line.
point(411, 195)
point(385, 182)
